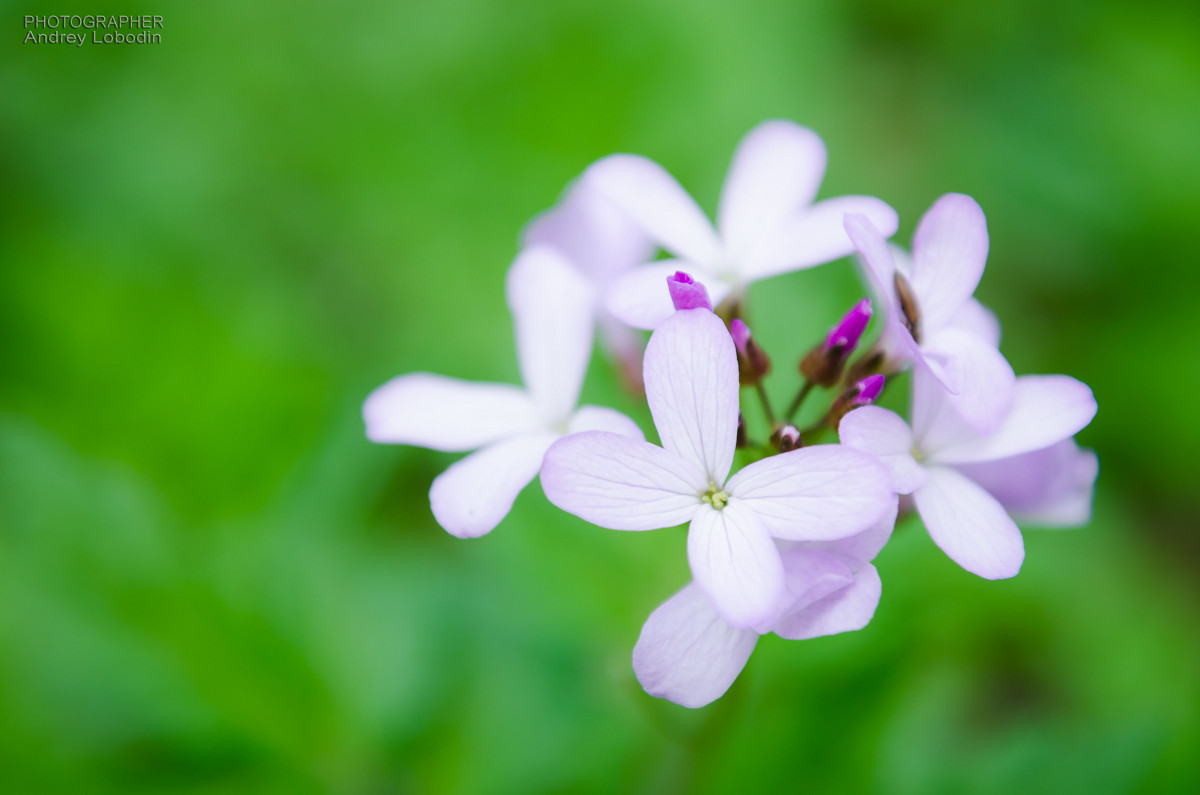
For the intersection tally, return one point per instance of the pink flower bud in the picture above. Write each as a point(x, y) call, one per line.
point(868, 390)
point(741, 335)
point(849, 329)
point(687, 293)
point(789, 438)
point(753, 362)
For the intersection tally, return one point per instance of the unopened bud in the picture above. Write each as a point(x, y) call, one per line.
point(786, 438)
point(863, 393)
point(824, 363)
point(687, 293)
point(741, 432)
point(753, 362)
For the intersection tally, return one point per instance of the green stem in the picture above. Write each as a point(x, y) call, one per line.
point(800, 396)
point(766, 403)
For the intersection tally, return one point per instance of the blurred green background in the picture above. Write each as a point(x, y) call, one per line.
point(212, 249)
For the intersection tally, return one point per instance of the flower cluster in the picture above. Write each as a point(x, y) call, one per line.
point(785, 543)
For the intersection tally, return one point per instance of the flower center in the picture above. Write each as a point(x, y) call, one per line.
point(714, 496)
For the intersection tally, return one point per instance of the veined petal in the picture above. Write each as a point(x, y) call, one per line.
point(862, 547)
point(879, 269)
point(640, 298)
point(815, 235)
point(969, 525)
point(554, 318)
point(775, 172)
point(477, 492)
point(1045, 409)
point(620, 482)
point(1052, 487)
point(977, 377)
point(591, 232)
point(602, 418)
point(810, 574)
point(976, 318)
point(658, 204)
point(949, 252)
point(735, 563)
point(687, 653)
point(692, 387)
point(446, 414)
point(815, 493)
point(847, 609)
point(887, 437)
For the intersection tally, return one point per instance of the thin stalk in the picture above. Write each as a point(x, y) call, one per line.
point(766, 403)
point(800, 396)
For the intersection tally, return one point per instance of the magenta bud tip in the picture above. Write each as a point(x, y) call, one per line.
point(687, 293)
point(850, 328)
point(869, 389)
point(741, 335)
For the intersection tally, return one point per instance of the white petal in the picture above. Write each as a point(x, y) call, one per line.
point(736, 564)
point(969, 525)
point(620, 482)
point(878, 268)
point(446, 413)
point(658, 204)
point(810, 574)
point(1051, 487)
point(687, 653)
point(815, 493)
point(976, 318)
point(640, 298)
point(554, 317)
point(775, 172)
point(949, 252)
point(862, 547)
point(847, 609)
point(477, 492)
point(816, 235)
point(692, 388)
point(602, 418)
point(884, 435)
point(591, 232)
point(1045, 409)
point(978, 378)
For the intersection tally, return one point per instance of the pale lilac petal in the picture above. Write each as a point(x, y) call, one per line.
point(620, 482)
point(477, 492)
point(815, 493)
point(977, 376)
point(735, 563)
point(815, 236)
point(1045, 409)
point(936, 425)
point(640, 298)
point(977, 319)
point(624, 346)
point(847, 609)
point(969, 525)
point(949, 252)
point(692, 387)
point(878, 267)
point(446, 414)
point(809, 574)
point(602, 418)
point(1052, 487)
point(687, 653)
point(554, 319)
point(591, 232)
point(883, 434)
point(775, 172)
point(862, 547)
point(658, 204)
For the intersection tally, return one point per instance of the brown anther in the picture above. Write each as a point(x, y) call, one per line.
point(908, 305)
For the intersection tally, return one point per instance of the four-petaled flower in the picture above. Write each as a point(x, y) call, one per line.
point(767, 223)
point(950, 468)
point(815, 493)
point(551, 307)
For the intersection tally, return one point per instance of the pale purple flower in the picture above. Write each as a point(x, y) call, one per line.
point(767, 223)
point(962, 481)
point(601, 243)
point(814, 493)
point(689, 654)
point(509, 427)
point(931, 317)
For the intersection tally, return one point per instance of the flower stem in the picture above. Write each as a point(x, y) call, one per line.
point(766, 403)
point(800, 396)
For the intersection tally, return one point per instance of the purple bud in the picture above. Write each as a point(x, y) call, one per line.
point(849, 329)
point(687, 293)
point(869, 389)
point(741, 335)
